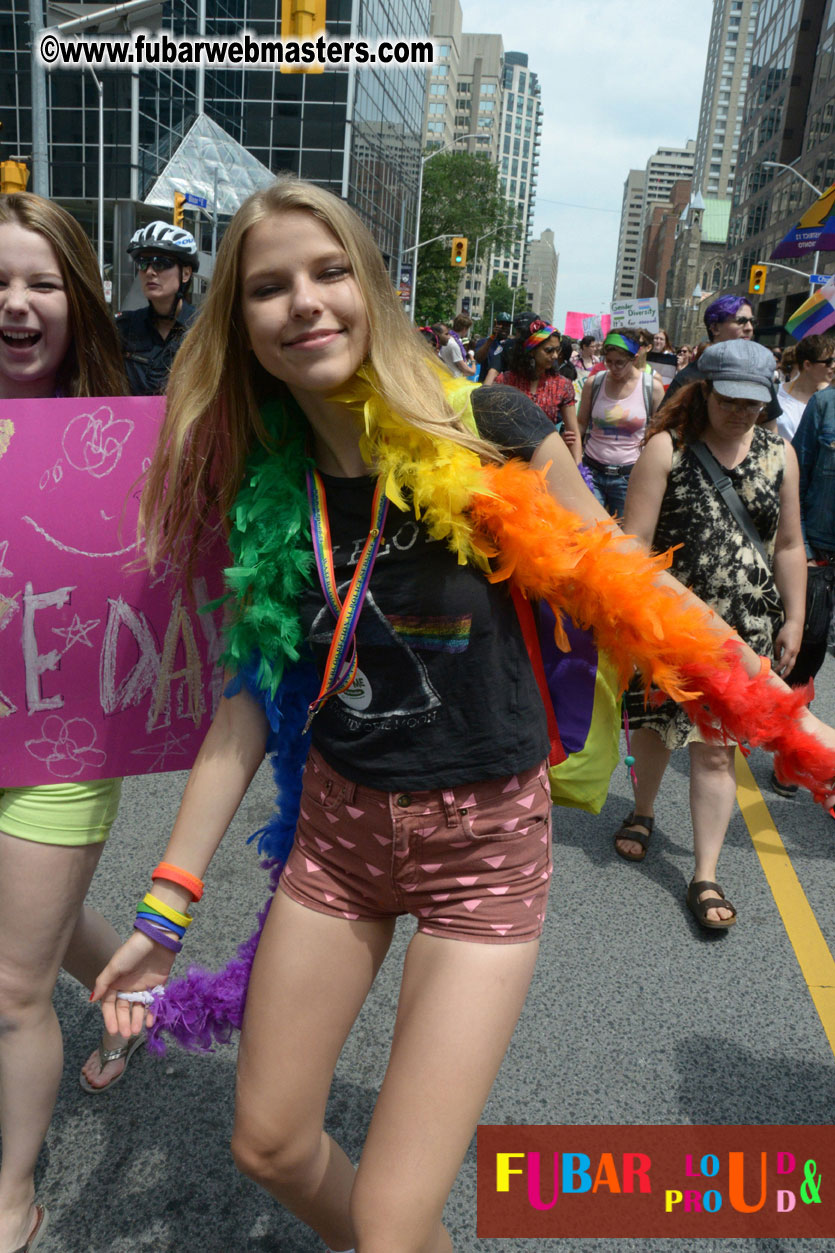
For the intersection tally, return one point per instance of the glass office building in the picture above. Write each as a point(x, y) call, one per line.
point(355, 132)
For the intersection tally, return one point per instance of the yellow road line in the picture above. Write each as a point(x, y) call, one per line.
point(814, 958)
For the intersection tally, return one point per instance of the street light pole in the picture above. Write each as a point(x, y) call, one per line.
point(436, 153)
point(781, 165)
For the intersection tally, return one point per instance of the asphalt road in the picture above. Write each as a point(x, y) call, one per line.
point(635, 1016)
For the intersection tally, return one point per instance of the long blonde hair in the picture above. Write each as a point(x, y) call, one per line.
point(215, 386)
point(93, 364)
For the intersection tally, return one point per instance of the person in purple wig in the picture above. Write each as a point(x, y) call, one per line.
point(726, 317)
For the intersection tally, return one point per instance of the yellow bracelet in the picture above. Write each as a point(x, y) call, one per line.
point(173, 915)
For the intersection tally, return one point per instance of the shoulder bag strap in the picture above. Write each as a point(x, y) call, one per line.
point(728, 492)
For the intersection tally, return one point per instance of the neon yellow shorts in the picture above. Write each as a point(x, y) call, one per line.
point(73, 814)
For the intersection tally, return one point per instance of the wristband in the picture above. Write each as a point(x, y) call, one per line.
point(173, 874)
point(160, 907)
point(159, 921)
point(157, 935)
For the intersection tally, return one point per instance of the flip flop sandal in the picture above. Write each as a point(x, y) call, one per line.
point(125, 1050)
point(41, 1224)
point(623, 833)
point(699, 908)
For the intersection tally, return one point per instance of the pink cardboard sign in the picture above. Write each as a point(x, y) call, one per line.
point(574, 324)
point(105, 670)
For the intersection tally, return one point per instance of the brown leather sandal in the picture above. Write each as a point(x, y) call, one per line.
point(39, 1230)
point(640, 837)
point(699, 908)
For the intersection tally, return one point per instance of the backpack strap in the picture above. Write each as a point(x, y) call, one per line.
point(647, 388)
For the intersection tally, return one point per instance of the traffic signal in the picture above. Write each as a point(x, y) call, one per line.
point(756, 282)
point(458, 255)
point(14, 176)
point(179, 207)
point(300, 19)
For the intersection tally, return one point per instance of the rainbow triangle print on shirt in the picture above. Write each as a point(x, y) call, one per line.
point(815, 315)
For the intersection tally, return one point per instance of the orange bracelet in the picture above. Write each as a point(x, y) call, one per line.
point(173, 874)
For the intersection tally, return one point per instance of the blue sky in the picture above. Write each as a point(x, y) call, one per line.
point(619, 79)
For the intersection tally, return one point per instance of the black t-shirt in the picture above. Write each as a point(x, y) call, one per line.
point(445, 693)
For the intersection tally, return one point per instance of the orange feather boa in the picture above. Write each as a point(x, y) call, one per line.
point(602, 581)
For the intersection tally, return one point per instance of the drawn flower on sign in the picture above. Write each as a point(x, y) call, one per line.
point(95, 441)
point(67, 748)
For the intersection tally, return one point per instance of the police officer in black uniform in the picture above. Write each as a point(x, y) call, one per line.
point(166, 257)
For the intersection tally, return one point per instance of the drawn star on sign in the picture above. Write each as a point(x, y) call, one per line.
point(4, 572)
point(8, 607)
point(77, 632)
point(172, 745)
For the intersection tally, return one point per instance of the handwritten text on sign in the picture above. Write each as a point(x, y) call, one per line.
point(105, 669)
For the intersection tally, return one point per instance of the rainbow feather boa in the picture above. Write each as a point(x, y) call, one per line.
point(482, 512)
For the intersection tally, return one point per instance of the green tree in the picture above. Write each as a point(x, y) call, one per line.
point(500, 297)
point(462, 195)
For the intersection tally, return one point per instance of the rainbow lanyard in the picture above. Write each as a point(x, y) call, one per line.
point(341, 665)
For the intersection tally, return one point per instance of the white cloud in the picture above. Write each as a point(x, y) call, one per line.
point(619, 78)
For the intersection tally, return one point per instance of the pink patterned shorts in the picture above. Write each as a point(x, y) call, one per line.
point(470, 863)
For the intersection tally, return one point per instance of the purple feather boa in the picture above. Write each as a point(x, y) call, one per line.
point(203, 1008)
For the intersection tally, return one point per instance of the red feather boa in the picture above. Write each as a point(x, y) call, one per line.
point(597, 576)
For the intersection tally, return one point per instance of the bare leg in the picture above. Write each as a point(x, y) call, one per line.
point(712, 797)
point(651, 758)
point(42, 887)
point(311, 974)
point(459, 1004)
point(92, 944)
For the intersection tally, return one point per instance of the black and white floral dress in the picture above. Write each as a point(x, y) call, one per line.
point(717, 560)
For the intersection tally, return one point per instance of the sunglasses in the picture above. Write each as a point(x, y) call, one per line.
point(160, 264)
point(829, 361)
point(745, 321)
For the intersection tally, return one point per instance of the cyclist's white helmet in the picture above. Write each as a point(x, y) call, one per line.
point(168, 241)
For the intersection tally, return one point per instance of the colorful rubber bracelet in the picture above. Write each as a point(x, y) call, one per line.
point(157, 935)
point(160, 907)
point(765, 666)
point(173, 874)
point(161, 922)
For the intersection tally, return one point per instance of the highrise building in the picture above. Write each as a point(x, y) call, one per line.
point(789, 113)
point(627, 268)
point(359, 134)
point(478, 89)
point(541, 278)
point(520, 138)
point(723, 96)
point(643, 190)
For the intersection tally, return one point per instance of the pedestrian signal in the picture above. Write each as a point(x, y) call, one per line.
point(458, 255)
point(179, 203)
point(756, 282)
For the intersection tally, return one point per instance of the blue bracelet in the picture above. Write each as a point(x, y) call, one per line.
point(161, 921)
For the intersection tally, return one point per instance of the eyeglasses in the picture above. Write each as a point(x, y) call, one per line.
point(732, 405)
point(160, 264)
point(745, 321)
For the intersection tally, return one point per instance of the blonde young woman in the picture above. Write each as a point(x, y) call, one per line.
point(303, 391)
point(56, 338)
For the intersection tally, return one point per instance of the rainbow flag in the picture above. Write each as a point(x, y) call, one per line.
point(815, 315)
